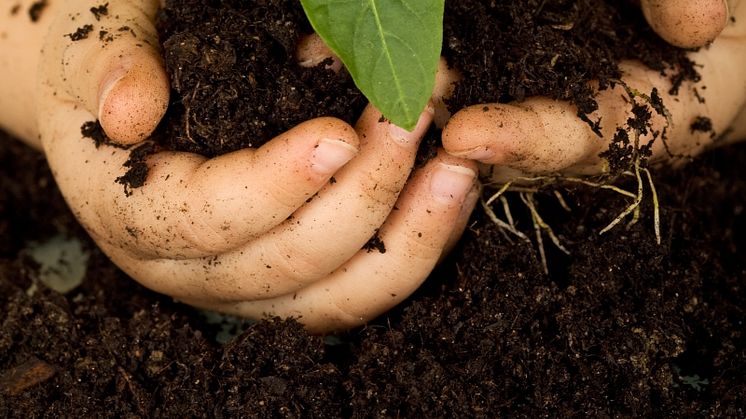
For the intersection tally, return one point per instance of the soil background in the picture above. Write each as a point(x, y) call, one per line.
point(622, 327)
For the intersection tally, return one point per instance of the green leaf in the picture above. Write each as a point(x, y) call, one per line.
point(390, 47)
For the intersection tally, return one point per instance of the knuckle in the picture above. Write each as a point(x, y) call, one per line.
point(420, 246)
point(378, 191)
point(293, 264)
point(199, 229)
point(347, 315)
point(287, 195)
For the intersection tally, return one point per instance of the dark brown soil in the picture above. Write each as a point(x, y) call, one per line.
point(622, 327)
point(236, 83)
point(235, 80)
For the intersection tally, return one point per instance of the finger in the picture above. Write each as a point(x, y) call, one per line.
point(538, 134)
point(463, 219)
point(312, 51)
point(109, 62)
point(204, 207)
point(319, 237)
point(328, 230)
point(286, 260)
point(445, 83)
point(687, 23)
point(236, 197)
point(372, 282)
point(190, 206)
point(541, 135)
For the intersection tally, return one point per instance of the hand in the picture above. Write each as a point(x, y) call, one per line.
point(257, 231)
point(545, 136)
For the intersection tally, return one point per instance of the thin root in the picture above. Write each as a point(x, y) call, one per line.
point(499, 193)
point(502, 224)
point(656, 207)
point(539, 226)
point(633, 206)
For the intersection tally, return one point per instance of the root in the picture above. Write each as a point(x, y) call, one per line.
point(656, 207)
point(539, 227)
point(633, 206)
point(505, 226)
point(632, 157)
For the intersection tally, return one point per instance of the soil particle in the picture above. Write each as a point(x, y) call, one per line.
point(36, 10)
point(375, 244)
point(99, 11)
point(80, 33)
point(702, 124)
point(137, 168)
point(94, 131)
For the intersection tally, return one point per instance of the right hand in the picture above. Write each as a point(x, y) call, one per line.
point(540, 135)
point(254, 232)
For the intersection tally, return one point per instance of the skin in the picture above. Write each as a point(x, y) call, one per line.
point(216, 233)
point(233, 233)
point(540, 135)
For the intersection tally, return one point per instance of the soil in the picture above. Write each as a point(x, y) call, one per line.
point(621, 327)
point(235, 79)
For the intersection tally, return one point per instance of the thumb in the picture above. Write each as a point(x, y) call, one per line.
point(687, 23)
point(106, 59)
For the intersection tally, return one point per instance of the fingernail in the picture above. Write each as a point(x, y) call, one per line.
point(106, 87)
point(409, 138)
point(727, 11)
point(451, 183)
point(330, 155)
point(470, 201)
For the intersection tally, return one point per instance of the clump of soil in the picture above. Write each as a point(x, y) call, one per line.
point(235, 79)
point(236, 82)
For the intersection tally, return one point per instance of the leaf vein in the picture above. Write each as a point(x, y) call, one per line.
point(405, 108)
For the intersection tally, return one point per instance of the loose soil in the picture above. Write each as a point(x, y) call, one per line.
point(235, 79)
point(623, 326)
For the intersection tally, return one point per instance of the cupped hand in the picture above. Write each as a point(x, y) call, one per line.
point(540, 135)
point(277, 230)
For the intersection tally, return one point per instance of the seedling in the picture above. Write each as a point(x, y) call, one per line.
point(390, 47)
